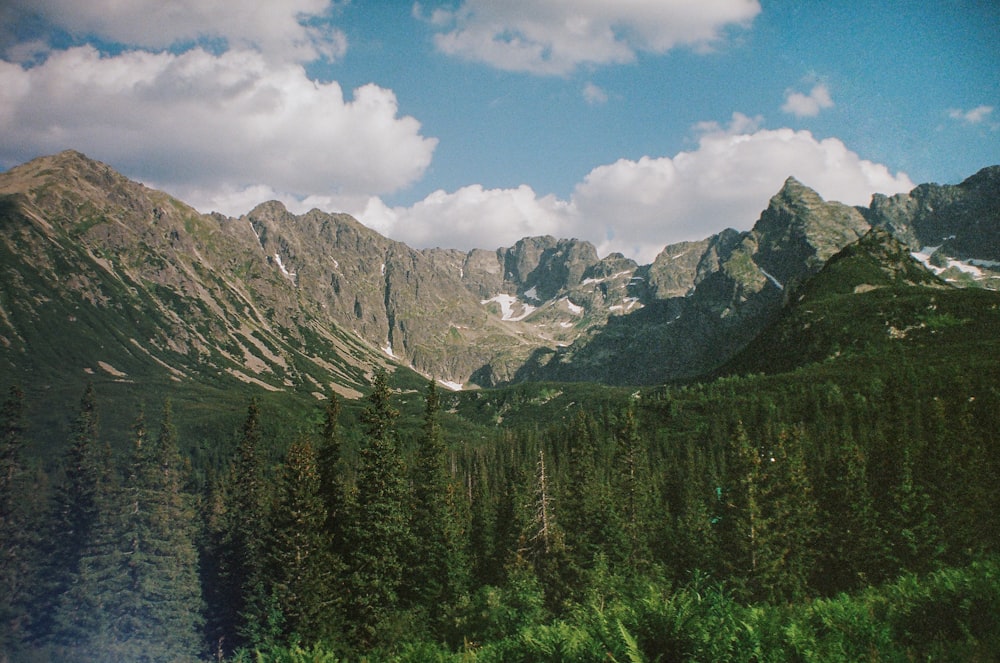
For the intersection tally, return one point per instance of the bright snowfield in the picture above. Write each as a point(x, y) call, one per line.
point(971, 267)
point(507, 303)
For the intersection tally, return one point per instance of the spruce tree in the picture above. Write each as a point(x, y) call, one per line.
point(238, 605)
point(301, 566)
point(789, 528)
point(544, 542)
point(155, 613)
point(695, 543)
point(439, 569)
point(633, 489)
point(73, 514)
point(378, 534)
point(852, 544)
point(742, 517)
point(17, 532)
point(915, 541)
point(331, 468)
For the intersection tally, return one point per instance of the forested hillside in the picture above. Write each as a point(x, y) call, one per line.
point(701, 522)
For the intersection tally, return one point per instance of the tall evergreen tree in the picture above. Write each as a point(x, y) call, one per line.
point(74, 513)
point(330, 466)
point(439, 568)
point(238, 606)
point(378, 534)
point(915, 542)
point(790, 521)
point(18, 536)
point(742, 516)
point(301, 565)
point(544, 542)
point(633, 489)
point(852, 544)
point(695, 544)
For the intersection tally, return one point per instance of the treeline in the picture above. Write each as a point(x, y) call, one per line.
point(762, 491)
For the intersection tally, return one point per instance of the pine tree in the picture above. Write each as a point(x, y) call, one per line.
point(238, 605)
point(439, 568)
point(73, 515)
point(915, 542)
point(330, 466)
point(741, 520)
point(852, 544)
point(695, 542)
point(17, 531)
point(301, 566)
point(544, 543)
point(157, 615)
point(790, 521)
point(633, 489)
point(378, 535)
point(85, 613)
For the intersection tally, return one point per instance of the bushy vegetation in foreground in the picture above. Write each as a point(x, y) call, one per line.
point(949, 615)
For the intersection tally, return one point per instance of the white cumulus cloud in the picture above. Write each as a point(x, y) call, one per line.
point(807, 105)
point(471, 217)
point(639, 206)
point(298, 30)
point(221, 123)
point(556, 36)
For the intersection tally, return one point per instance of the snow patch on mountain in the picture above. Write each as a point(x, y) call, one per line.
point(277, 259)
point(507, 304)
point(771, 278)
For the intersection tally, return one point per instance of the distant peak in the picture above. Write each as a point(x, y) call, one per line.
point(793, 188)
point(987, 180)
point(270, 208)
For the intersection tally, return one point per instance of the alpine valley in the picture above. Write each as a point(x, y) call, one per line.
point(771, 445)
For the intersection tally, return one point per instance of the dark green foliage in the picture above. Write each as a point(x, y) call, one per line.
point(77, 506)
point(238, 511)
point(331, 470)
point(377, 534)
point(722, 520)
point(19, 522)
point(136, 593)
point(439, 569)
point(301, 568)
point(633, 490)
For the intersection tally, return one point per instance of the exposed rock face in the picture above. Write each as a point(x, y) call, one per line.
point(955, 230)
point(313, 300)
point(799, 231)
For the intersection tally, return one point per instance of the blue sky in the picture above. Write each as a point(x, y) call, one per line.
point(472, 123)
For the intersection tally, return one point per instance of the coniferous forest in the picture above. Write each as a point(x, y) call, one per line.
point(815, 515)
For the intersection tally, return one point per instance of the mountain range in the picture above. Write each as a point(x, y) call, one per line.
point(103, 276)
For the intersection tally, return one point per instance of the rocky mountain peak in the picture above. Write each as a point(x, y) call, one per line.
point(799, 231)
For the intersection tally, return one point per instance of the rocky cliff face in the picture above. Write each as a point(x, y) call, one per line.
point(954, 230)
point(314, 301)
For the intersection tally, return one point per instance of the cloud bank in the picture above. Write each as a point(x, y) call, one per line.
point(291, 30)
point(554, 37)
point(222, 122)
